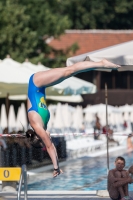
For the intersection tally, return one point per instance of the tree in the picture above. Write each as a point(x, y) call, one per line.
point(95, 14)
point(25, 25)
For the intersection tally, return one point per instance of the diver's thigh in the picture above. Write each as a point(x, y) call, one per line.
point(35, 119)
point(49, 77)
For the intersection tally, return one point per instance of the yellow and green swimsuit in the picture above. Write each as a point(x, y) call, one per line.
point(37, 99)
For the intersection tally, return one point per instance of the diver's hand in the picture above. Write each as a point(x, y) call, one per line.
point(57, 172)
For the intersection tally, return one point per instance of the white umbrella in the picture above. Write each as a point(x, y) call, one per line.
point(0, 130)
point(21, 121)
point(51, 121)
point(13, 79)
point(126, 108)
point(111, 119)
point(15, 82)
point(66, 114)
point(126, 116)
point(58, 120)
point(11, 119)
point(120, 118)
point(18, 120)
point(12, 63)
point(89, 118)
point(32, 67)
point(131, 117)
point(72, 98)
point(121, 54)
point(3, 117)
point(100, 108)
point(77, 118)
point(75, 86)
point(102, 117)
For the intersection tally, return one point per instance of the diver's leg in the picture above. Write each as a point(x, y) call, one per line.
point(54, 76)
point(48, 133)
point(57, 170)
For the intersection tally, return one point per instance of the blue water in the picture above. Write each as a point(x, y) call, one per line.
point(82, 174)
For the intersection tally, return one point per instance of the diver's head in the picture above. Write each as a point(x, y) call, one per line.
point(34, 140)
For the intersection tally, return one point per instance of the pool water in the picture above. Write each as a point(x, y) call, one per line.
point(83, 174)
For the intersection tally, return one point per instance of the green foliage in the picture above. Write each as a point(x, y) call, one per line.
point(26, 24)
point(99, 14)
point(60, 56)
point(14, 31)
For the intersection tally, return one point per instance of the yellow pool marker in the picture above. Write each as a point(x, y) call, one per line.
point(10, 173)
point(15, 174)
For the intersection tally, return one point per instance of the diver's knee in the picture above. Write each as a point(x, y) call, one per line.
point(48, 133)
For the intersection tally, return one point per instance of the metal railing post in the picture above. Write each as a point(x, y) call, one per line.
point(15, 174)
point(19, 186)
point(24, 170)
point(23, 178)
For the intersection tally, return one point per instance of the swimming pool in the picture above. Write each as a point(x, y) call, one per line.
point(82, 174)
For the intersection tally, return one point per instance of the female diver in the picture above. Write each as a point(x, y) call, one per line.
point(38, 113)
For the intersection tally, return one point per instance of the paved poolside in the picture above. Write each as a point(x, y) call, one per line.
point(59, 195)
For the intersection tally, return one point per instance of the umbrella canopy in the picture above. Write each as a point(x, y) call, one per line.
point(18, 120)
point(3, 117)
point(11, 119)
point(126, 108)
point(77, 121)
point(66, 114)
point(121, 54)
point(89, 117)
point(126, 116)
point(21, 121)
point(131, 117)
point(14, 78)
point(100, 108)
point(51, 121)
point(76, 86)
point(58, 120)
point(23, 112)
point(72, 98)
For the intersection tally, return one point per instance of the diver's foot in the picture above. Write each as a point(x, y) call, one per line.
point(57, 172)
point(108, 64)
